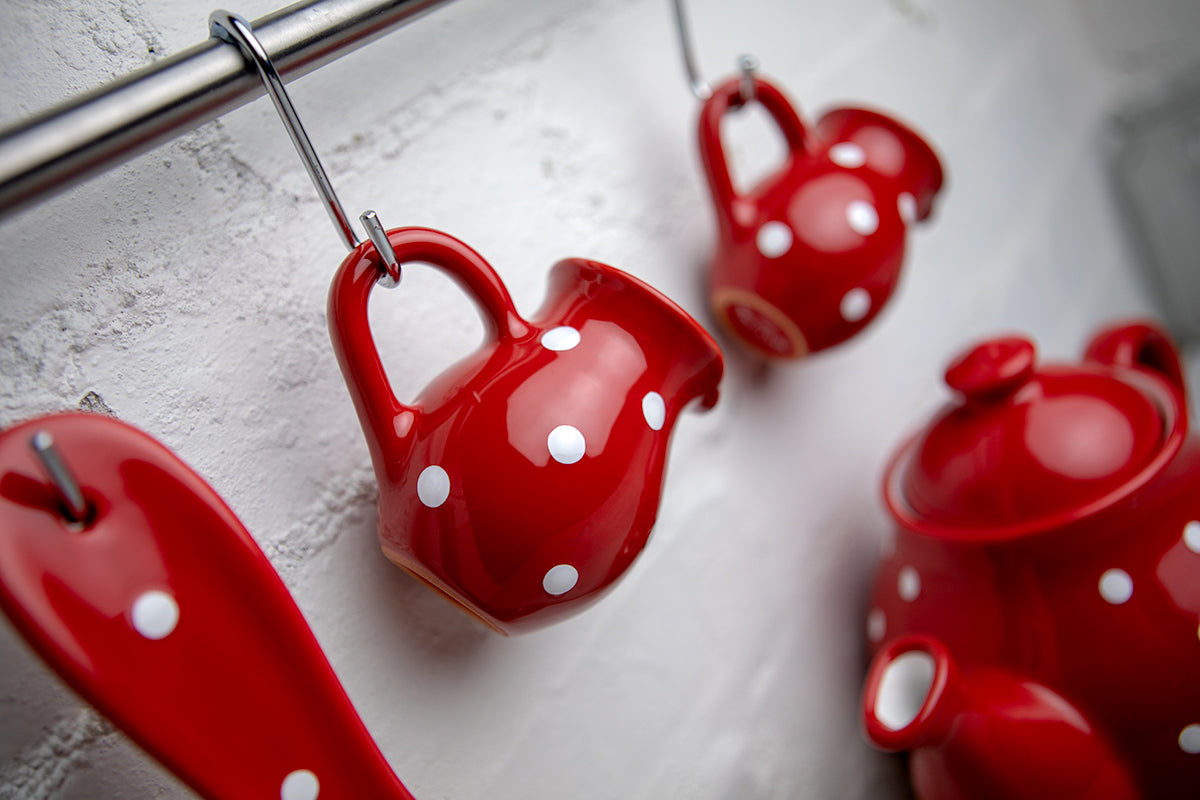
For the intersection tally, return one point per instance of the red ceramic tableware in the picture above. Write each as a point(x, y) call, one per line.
point(1035, 628)
point(525, 479)
point(159, 609)
point(809, 256)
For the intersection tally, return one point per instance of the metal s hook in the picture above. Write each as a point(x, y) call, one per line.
point(42, 444)
point(700, 87)
point(231, 28)
point(391, 276)
point(748, 65)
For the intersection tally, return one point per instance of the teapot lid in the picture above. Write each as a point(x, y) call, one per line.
point(1028, 447)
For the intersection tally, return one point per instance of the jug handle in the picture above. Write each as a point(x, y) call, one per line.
point(1143, 345)
point(724, 98)
point(378, 409)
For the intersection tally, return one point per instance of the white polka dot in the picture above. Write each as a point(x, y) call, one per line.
point(566, 444)
point(155, 614)
point(774, 239)
point(907, 205)
point(848, 155)
point(1191, 536)
point(654, 409)
point(855, 304)
point(1189, 740)
point(433, 486)
point(1116, 586)
point(908, 584)
point(863, 217)
point(560, 579)
point(876, 625)
point(300, 785)
point(563, 337)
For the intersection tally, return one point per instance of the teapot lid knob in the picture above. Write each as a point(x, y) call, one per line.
point(993, 370)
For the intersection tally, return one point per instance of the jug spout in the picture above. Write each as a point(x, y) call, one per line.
point(985, 732)
point(891, 149)
point(677, 350)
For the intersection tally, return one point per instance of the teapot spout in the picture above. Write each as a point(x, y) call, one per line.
point(985, 733)
point(908, 698)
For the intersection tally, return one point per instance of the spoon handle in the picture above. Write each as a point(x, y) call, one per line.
point(160, 610)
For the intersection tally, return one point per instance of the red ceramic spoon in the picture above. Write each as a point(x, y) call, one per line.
point(160, 610)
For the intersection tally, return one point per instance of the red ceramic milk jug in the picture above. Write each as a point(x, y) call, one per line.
point(1035, 628)
point(810, 256)
point(525, 479)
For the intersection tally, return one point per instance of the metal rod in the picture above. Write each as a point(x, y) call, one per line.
point(103, 128)
point(231, 28)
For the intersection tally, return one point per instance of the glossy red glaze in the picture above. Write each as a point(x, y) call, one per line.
point(811, 255)
point(1027, 447)
point(163, 613)
point(526, 478)
point(1072, 613)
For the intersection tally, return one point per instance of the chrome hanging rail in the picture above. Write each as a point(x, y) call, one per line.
point(103, 128)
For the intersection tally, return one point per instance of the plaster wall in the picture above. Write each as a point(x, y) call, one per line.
point(184, 292)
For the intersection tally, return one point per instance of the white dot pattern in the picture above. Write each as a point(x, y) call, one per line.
point(566, 444)
point(908, 584)
point(1116, 586)
point(561, 338)
point(855, 305)
point(654, 409)
point(560, 579)
point(155, 614)
point(433, 486)
point(863, 217)
point(848, 155)
point(774, 239)
point(1189, 739)
point(907, 205)
point(876, 625)
point(300, 785)
point(1191, 536)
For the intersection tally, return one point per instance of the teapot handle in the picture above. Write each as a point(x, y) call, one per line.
point(724, 98)
point(350, 330)
point(1143, 345)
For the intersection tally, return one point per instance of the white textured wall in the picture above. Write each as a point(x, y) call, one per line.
point(185, 291)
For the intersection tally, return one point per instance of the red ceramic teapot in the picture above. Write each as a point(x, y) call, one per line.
point(1035, 628)
point(156, 605)
point(810, 256)
point(526, 478)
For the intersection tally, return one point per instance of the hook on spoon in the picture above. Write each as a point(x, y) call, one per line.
point(61, 477)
